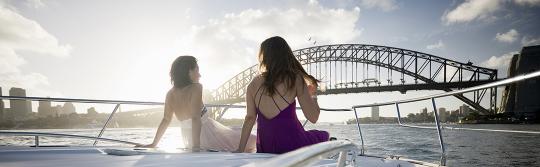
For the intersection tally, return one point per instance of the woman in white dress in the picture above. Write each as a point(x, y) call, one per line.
point(184, 100)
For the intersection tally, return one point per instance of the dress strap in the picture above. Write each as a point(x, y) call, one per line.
point(274, 100)
point(204, 110)
point(282, 97)
point(277, 91)
point(276, 104)
point(259, 97)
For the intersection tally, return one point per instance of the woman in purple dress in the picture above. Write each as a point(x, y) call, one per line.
point(270, 101)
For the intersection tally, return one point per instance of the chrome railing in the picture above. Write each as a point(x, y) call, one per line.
point(38, 134)
point(307, 156)
point(104, 127)
point(110, 116)
point(437, 120)
point(354, 108)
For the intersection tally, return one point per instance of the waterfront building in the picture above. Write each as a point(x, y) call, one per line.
point(91, 112)
point(68, 108)
point(19, 108)
point(8, 115)
point(464, 110)
point(375, 113)
point(45, 109)
point(521, 99)
point(57, 110)
point(443, 114)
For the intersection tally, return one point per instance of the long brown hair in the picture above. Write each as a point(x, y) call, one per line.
point(180, 71)
point(278, 64)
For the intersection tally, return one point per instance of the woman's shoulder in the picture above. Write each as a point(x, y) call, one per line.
point(194, 87)
point(257, 80)
point(258, 77)
point(171, 91)
point(188, 88)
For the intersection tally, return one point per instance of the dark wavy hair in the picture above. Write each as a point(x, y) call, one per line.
point(180, 71)
point(278, 64)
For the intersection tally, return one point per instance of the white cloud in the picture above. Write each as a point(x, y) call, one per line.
point(438, 45)
point(481, 10)
point(21, 35)
point(228, 45)
point(187, 13)
point(528, 2)
point(24, 81)
point(385, 5)
point(471, 10)
point(500, 63)
point(508, 37)
point(528, 41)
point(35, 4)
point(10, 61)
point(398, 39)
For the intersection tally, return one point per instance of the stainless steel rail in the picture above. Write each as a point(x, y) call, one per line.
point(435, 112)
point(103, 101)
point(308, 155)
point(79, 100)
point(327, 148)
point(106, 123)
point(37, 134)
point(104, 127)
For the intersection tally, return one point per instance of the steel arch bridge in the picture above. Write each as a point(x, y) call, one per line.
point(356, 68)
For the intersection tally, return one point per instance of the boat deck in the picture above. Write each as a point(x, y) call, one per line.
point(24, 156)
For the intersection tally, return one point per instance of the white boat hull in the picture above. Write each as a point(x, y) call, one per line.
point(24, 156)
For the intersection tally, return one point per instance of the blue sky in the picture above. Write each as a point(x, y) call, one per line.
point(123, 49)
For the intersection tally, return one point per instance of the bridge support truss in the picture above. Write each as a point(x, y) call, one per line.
point(357, 68)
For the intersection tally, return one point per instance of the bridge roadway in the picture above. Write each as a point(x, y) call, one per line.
point(403, 88)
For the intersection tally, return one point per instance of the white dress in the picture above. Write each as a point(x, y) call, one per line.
point(216, 136)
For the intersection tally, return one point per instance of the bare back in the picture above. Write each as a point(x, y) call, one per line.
point(185, 102)
point(271, 106)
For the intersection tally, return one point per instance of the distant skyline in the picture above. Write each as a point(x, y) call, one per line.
point(123, 49)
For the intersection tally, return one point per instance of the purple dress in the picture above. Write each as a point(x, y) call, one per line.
point(284, 132)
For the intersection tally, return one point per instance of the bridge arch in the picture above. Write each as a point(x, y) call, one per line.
point(433, 72)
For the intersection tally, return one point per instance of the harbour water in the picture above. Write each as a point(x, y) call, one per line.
point(464, 148)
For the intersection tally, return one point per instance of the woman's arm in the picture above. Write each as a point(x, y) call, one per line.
point(196, 109)
point(307, 97)
point(164, 122)
point(249, 120)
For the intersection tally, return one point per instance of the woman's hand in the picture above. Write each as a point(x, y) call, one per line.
point(147, 146)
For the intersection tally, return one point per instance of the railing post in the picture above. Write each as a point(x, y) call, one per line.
point(223, 113)
point(106, 123)
point(352, 160)
point(304, 124)
point(398, 114)
point(341, 159)
point(437, 123)
point(359, 131)
point(36, 140)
